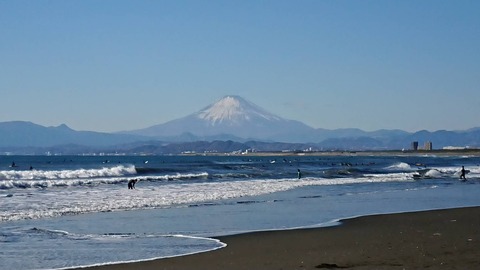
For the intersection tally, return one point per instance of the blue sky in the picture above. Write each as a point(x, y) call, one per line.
point(116, 65)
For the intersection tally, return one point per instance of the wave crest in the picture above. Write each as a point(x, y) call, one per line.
point(400, 166)
point(68, 174)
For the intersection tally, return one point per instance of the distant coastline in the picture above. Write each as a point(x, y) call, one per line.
point(442, 152)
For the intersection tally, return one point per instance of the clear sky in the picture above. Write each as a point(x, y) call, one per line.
point(114, 65)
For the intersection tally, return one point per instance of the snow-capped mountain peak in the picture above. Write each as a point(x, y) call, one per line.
point(231, 116)
point(233, 109)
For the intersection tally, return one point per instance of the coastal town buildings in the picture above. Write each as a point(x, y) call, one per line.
point(428, 146)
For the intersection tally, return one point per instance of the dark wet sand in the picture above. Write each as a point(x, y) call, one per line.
point(441, 239)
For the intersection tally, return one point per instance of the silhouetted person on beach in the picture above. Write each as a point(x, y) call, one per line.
point(131, 183)
point(462, 173)
point(299, 173)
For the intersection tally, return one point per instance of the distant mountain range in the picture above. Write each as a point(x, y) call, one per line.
point(27, 134)
point(230, 124)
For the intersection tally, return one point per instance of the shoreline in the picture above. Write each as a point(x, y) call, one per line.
point(437, 239)
point(406, 153)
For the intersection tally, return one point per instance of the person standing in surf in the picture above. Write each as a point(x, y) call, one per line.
point(131, 183)
point(462, 173)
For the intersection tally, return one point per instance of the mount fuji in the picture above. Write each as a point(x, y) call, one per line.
point(228, 124)
point(231, 117)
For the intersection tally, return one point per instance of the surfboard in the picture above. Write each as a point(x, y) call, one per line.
point(460, 172)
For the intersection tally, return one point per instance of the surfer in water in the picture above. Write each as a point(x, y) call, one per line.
point(299, 173)
point(131, 183)
point(462, 173)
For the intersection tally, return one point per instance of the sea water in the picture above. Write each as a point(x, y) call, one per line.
point(69, 211)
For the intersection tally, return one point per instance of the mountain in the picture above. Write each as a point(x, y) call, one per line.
point(232, 116)
point(230, 124)
point(27, 134)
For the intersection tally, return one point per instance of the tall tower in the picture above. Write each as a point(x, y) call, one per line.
point(415, 146)
point(428, 146)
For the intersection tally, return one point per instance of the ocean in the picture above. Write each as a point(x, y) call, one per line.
point(60, 212)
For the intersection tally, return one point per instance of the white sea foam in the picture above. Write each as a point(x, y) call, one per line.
point(101, 198)
point(400, 166)
point(10, 184)
point(68, 174)
point(391, 177)
point(434, 173)
point(473, 172)
point(177, 176)
point(92, 177)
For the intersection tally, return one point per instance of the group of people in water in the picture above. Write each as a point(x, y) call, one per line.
point(462, 173)
point(132, 182)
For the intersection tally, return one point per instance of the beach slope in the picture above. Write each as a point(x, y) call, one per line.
point(438, 239)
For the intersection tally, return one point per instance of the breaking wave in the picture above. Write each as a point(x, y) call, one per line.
point(98, 180)
point(68, 174)
point(402, 166)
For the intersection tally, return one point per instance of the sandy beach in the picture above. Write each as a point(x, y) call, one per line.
point(438, 239)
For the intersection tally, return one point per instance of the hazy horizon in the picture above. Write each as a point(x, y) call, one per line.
point(209, 106)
